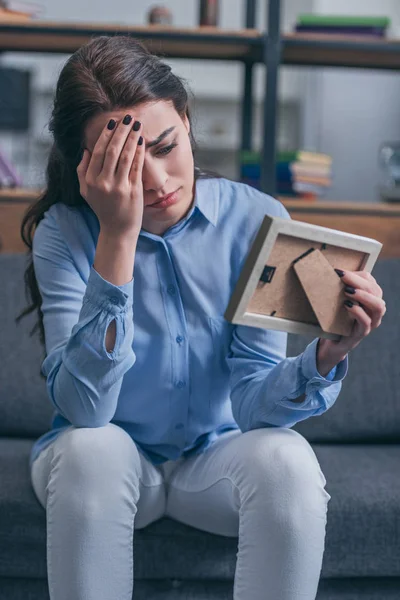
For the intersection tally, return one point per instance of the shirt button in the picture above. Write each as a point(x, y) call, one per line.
point(171, 290)
point(114, 299)
point(181, 384)
point(179, 339)
point(179, 426)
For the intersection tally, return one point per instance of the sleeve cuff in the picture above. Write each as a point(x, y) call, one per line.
point(106, 295)
point(310, 371)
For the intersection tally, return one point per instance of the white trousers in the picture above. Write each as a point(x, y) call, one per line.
point(264, 486)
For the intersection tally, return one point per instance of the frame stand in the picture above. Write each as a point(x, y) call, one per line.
point(324, 291)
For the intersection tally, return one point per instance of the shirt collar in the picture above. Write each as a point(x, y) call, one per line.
point(207, 198)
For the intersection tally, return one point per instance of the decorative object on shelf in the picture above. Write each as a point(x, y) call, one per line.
point(12, 10)
point(160, 15)
point(300, 173)
point(9, 178)
point(343, 25)
point(389, 160)
point(209, 13)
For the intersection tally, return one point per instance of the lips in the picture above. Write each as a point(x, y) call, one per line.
point(163, 198)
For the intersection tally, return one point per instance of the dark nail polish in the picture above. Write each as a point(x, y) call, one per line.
point(111, 124)
point(136, 126)
point(349, 289)
point(339, 272)
point(127, 119)
point(140, 141)
point(348, 303)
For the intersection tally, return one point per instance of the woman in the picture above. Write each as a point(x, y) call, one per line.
point(162, 406)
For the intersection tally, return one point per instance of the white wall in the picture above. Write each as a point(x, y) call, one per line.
point(350, 112)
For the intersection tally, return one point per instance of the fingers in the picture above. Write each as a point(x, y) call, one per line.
point(375, 307)
point(362, 280)
point(114, 151)
point(82, 169)
point(363, 324)
point(136, 171)
point(99, 150)
point(361, 287)
point(128, 153)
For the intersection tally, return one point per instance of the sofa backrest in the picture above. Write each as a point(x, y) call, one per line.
point(368, 406)
point(367, 410)
point(25, 409)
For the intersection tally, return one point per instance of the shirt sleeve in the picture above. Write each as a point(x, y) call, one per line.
point(83, 378)
point(264, 382)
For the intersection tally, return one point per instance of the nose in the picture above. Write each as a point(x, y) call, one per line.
point(154, 177)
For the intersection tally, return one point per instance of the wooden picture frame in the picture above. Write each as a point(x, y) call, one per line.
point(289, 283)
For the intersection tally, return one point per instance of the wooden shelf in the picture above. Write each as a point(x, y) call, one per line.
point(304, 206)
point(380, 221)
point(18, 195)
point(172, 42)
point(206, 42)
point(341, 51)
point(344, 208)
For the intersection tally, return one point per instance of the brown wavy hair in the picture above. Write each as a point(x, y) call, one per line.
point(108, 73)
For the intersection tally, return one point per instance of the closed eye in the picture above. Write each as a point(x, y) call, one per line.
point(166, 150)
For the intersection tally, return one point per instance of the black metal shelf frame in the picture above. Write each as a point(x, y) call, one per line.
point(261, 49)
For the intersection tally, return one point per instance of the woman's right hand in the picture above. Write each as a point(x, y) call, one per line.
point(111, 179)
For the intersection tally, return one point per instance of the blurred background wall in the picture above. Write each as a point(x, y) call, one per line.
point(345, 113)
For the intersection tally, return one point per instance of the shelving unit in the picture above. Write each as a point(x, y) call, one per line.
point(248, 46)
point(192, 43)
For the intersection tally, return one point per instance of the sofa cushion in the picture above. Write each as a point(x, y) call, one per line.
point(367, 588)
point(362, 537)
point(368, 407)
point(25, 409)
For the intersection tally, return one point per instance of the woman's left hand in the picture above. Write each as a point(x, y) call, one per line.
point(368, 310)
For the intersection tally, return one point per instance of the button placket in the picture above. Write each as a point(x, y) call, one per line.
point(177, 321)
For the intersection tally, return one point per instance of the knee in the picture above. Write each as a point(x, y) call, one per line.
point(282, 463)
point(96, 457)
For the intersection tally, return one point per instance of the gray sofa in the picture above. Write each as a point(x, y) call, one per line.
point(357, 443)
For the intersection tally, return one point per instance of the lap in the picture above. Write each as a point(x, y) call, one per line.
point(203, 490)
point(206, 490)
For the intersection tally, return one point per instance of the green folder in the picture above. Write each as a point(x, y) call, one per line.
point(342, 20)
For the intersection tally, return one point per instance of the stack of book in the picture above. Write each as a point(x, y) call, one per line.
point(300, 173)
point(311, 173)
point(343, 25)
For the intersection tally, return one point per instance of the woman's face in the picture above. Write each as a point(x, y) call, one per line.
point(168, 164)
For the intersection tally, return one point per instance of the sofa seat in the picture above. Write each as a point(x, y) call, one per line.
point(361, 540)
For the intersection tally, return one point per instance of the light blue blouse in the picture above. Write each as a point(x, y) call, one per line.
point(179, 374)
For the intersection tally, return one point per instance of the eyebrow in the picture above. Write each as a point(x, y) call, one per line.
point(160, 137)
